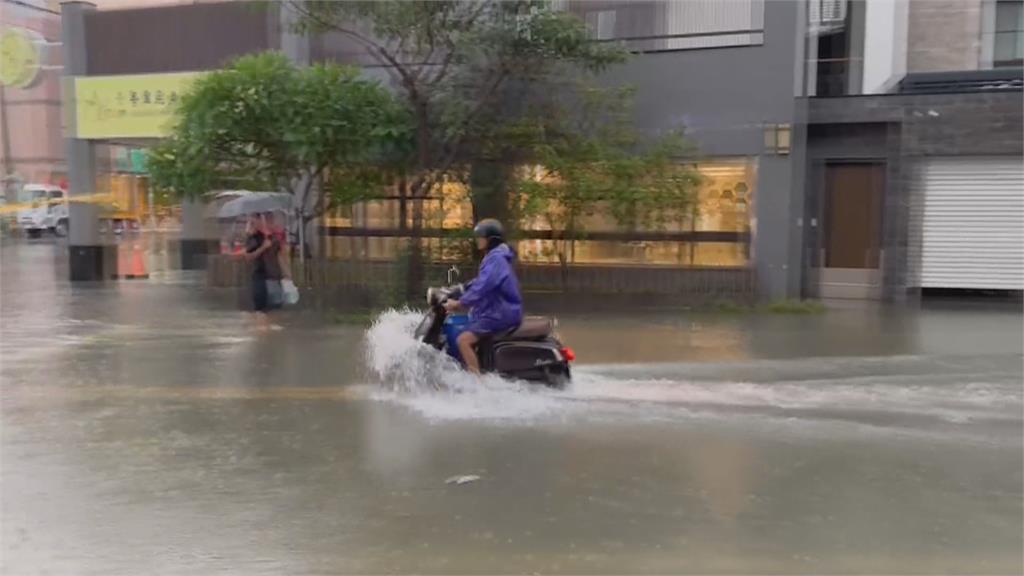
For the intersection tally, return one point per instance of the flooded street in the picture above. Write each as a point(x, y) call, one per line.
point(147, 430)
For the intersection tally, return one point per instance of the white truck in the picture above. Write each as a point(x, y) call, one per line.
point(48, 211)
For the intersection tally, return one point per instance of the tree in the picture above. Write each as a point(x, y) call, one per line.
point(455, 64)
point(590, 161)
point(322, 134)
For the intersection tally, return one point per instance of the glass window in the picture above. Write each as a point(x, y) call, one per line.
point(538, 251)
point(604, 252)
point(636, 253)
point(381, 248)
point(723, 204)
point(377, 214)
point(718, 254)
point(340, 218)
point(339, 248)
point(725, 199)
point(451, 209)
point(1009, 34)
point(658, 25)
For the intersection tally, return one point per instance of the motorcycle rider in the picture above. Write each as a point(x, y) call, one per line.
point(493, 298)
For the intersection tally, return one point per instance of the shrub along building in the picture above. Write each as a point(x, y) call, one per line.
point(845, 149)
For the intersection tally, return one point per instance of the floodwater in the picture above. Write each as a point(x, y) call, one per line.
point(147, 430)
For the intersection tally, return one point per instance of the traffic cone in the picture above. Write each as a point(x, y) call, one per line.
point(138, 266)
point(123, 262)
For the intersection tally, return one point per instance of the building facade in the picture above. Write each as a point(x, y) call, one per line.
point(680, 54)
point(883, 136)
point(834, 135)
point(31, 149)
point(724, 72)
point(914, 176)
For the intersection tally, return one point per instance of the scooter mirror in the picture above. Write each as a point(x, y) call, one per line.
point(453, 274)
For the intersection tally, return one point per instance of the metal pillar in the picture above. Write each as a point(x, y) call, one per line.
point(196, 238)
point(86, 251)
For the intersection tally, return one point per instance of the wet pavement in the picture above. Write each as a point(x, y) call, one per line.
point(146, 429)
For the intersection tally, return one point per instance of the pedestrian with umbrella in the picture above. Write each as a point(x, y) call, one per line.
point(263, 247)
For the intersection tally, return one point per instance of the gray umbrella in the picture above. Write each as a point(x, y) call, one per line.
point(255, 203)
point(219, 199)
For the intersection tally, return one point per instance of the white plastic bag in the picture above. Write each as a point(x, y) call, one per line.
point(275, 294)
point(291, 292)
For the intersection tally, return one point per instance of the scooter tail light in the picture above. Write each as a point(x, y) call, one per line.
point(568, 354)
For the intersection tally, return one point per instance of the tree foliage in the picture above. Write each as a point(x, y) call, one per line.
point(590, 161)
point(454, 62)
point(322, 133)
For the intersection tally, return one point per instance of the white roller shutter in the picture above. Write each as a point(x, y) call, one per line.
point(968, 217)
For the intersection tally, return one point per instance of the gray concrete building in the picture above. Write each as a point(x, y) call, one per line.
point(914, 179)
point(901, 169)
point(727, 73)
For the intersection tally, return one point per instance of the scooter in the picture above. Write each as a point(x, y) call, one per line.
point(531, 352)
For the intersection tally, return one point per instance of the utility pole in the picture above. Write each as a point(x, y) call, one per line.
point(5, 148)
point(86, 253)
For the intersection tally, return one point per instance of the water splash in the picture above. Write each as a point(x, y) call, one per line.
point(883, 393)
point(400, 362)
point(433, 384)
point(801, 394)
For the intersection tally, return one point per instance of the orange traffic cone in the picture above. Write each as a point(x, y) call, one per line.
point(123, 262)
point(138, 266)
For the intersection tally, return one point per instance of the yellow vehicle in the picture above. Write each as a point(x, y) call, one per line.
point(128, 203)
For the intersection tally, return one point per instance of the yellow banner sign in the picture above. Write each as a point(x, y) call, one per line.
point(136, 106)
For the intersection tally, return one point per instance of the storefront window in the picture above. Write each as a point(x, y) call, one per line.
point(626, 253)
point(718, 254)
point(725, 197)
point(453, 209)
point(715, 233)
point(723, 204)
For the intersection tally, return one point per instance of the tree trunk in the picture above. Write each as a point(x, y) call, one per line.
point(403, 204)
point(304, 250)
point(419, 189)
point(489, 190)
point(321, 250)
point(563, 269)
point(414, 279)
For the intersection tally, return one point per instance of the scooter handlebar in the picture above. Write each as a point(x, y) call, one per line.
point(437, 296)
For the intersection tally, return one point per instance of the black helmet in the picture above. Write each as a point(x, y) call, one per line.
point(489, 228)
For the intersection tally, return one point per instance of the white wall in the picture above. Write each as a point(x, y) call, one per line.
point(885, 44)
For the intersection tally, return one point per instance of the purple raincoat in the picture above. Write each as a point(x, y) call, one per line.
point(493, 297)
